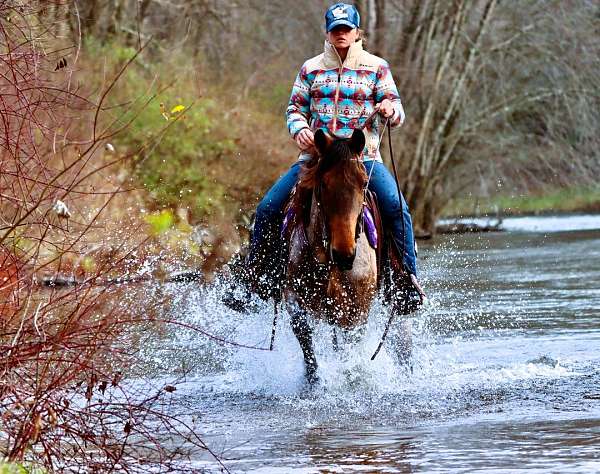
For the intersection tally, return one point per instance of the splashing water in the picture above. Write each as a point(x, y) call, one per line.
point(506, 348)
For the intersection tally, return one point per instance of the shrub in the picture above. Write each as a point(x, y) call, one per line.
point(175, 128)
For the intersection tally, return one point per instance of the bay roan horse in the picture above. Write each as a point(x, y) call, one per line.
point(331, 268)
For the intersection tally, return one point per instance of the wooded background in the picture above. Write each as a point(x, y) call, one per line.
point(501, 97)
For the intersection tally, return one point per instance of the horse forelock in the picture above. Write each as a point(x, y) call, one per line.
point(337, 155)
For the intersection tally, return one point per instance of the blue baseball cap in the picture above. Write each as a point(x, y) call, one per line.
point(341, 14)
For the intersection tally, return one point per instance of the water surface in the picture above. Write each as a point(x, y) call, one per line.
point(505, 375)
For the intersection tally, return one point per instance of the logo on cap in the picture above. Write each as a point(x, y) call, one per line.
point(340, 12)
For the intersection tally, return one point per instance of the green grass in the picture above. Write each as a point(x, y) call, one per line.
point(574, 199)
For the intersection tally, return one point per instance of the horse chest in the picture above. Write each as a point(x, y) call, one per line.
point(340, 297)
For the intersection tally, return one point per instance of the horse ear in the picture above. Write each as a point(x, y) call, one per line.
point(357, 141)
point(322, 140)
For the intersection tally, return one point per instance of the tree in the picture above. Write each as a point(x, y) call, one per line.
point(493, 90)
point(467, 94)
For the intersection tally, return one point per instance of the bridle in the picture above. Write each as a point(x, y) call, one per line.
point(325, 240)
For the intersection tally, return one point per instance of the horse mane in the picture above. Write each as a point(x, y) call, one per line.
point(313, 170)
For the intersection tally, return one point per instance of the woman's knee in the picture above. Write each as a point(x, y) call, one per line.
point(272, 204)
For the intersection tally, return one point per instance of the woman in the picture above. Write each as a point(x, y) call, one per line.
point(336, 91)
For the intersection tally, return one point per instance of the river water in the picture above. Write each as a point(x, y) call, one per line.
point(505, 373)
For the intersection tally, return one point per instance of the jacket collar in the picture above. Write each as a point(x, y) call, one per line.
point(332, 58)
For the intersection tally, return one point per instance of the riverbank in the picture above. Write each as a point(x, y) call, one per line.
point(533, 224)
point(579, 200)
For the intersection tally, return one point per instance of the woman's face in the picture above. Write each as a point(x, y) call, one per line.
point(342, 36)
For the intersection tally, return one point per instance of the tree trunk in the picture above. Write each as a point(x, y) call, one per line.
point(373, 23)
point(379, 44)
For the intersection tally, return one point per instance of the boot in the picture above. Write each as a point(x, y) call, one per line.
point(412, 294)
point(265, 273)
point(237, 295)
point(260, 276)
point(401, 289)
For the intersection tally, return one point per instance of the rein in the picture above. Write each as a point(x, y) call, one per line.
point(324, 234)
point(403, 250)
point(387, 123)
point(359, 223)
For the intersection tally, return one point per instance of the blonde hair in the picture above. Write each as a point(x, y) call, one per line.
point(362, 36)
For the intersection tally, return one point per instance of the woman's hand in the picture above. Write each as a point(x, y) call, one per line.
point(305, 139)
point(385, 108)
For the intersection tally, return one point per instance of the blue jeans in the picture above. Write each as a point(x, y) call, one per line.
point(269, 217)
point(394, 211)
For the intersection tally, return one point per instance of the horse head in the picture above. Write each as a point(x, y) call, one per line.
point(338, 188)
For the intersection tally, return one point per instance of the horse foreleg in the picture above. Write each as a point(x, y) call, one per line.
point(334, 339)
point(303, 333)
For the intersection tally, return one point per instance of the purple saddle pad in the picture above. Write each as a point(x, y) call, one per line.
point(370, 228)
point(368, 225)
point(287, 220)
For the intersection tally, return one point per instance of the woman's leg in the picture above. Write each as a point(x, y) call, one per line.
point(394, 211)
point(266, 237)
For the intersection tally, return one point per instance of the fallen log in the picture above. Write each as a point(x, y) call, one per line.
point(467, 228)
point(62, 281)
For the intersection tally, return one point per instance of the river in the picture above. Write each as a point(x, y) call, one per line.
point(505, 374)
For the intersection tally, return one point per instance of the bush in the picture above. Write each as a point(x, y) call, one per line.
point(174, 127)
point(19, 469)
point(176, 170)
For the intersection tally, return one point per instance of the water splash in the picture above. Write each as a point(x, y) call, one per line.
point(445, 374)
point(499, 348)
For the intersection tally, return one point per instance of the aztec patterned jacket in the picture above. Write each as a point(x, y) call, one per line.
point(339, 97)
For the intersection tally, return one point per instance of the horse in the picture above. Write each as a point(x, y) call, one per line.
point(332, 270)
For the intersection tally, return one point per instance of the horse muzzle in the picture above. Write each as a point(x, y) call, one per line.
point(343, 261)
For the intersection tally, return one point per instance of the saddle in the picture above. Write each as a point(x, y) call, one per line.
point(392, 279)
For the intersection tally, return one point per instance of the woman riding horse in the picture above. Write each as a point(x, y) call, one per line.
point(335, 91)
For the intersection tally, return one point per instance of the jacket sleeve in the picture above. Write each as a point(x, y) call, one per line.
point(385, 88)
point(298, 110)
